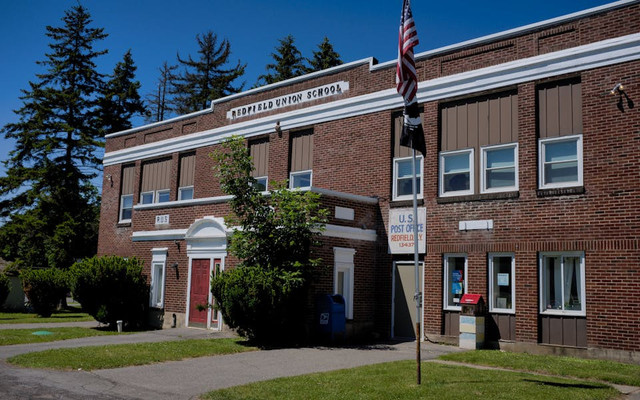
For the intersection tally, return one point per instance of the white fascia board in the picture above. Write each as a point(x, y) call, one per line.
point(594, 55)
point(183, 203)
point(168, 234)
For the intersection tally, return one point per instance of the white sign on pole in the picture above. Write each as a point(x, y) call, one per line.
point(400, 230)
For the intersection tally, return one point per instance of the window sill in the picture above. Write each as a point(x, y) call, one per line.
point(479, 197)
point(404, 203)
point(123, 224)
point(560, 191)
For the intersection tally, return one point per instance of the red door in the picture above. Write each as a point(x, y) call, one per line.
point(199, 292)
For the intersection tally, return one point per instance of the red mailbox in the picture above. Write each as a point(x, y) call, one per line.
point(472, 304)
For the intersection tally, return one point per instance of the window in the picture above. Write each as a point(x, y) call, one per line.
point(560, 134)
point(456, 173)
point(259, 152)
point(479, 134)
point(126, 207)
point(560, 162)
point(261, 183)
point(301, 161)
point(455, 281)
point(185, 193)
point(502, 283)
point(343, 277)
point(126, 193)
point(186, 176)
point(155, 182)
point(146, 197)
point(162, 196)
point(158, 270)
point(499, 165)
point(562, 283)
point(402, 177)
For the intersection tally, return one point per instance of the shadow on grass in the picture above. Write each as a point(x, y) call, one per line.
point(567, 385)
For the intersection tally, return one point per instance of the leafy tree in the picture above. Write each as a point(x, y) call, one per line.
point(121, 100)
point(205, 78)
point(5, 287)
point(289, 63)
point(159, 101)
point(111, 288)
point(325, 57)
point(264, 296)
point(48, 202)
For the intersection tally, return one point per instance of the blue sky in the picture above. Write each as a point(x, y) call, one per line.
point(156, 30)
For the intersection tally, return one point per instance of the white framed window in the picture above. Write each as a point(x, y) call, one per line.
point(300, 179)
point(158, 275)
point(126, 207)
point(502, 287)
point(403, 176)
point(455, 280)
point(456, 173)
point(147, 197)
point(185, 193)
point(562, 283)
point(343, 275)
point(262, 183)
point(499, 168)
point(162, 196)
point(560, 163)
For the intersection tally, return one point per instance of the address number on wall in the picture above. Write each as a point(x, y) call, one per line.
point(162, 219)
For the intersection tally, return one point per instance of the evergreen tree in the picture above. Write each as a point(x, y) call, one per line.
point(325, 57)
point(159, 101)
point(47, 199)
point(121, 100)
point(205, 78)
point(289, 63)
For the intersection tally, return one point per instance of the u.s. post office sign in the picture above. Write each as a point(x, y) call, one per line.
point(400, 232)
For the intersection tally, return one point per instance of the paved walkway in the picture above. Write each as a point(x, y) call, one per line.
point(189, 378)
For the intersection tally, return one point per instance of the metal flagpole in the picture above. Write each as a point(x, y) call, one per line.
point(418, 294)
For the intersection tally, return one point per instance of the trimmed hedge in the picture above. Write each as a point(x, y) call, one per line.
point(45, 288)
point(111, 288)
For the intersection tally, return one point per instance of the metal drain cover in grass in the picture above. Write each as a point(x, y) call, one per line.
point(42, 333)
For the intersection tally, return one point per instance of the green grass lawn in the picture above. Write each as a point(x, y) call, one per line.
point(23, 336)
point(606, 371)
point(397, 380)
point(123, 355)
point(71, 315)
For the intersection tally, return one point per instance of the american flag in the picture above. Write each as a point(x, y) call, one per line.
point(406, 79)
point(407, 82)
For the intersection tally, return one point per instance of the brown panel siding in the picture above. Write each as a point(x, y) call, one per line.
point(187, 170)
point(399, 151)
point(156, 175)
point(560, 109)
point(128, 179)
point(302, 151)
point(259, 151)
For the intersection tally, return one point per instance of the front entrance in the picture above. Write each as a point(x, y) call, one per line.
point(404, 305)
point(199, 296)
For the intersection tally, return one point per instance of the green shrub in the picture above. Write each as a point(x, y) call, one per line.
point(45, 288)
point(4, 288)
point(265, 306)
point(111, 288)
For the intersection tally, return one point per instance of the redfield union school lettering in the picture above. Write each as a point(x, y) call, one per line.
point(528, 192)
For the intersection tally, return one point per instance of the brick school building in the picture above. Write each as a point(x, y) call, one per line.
point(528, 193)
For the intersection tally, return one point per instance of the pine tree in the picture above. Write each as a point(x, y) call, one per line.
point(48, 202)
point(205, 79)
point(289, 63)
point(160, 103)
point(121, 100)
point(325, 57)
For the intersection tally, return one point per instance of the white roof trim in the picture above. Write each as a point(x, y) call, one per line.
point(594, 55)
point(167, 234)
